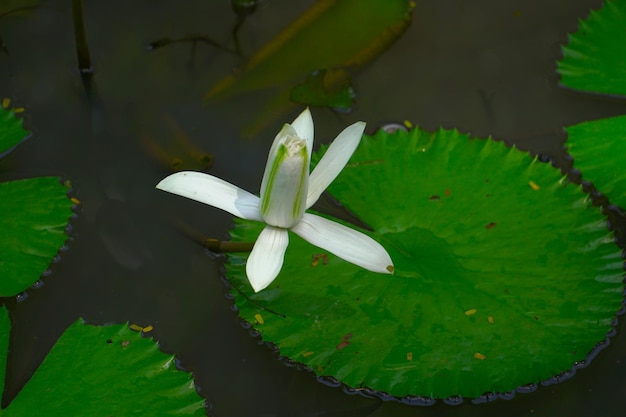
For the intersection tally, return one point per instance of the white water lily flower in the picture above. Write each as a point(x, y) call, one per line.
point(287, 190)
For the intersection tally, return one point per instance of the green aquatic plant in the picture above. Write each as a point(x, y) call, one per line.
point(593, 59)
point(12, 131)
point(102, 370)
point(505, 274)
point(35, 214)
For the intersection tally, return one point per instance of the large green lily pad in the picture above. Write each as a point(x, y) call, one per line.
point(33, 218)
point(104, 371)
point(505, 274)
point(594, 58)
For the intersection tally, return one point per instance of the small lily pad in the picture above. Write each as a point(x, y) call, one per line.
point(11, 130)
point(505, 274)
point(598, 148)
point(594, 58)
point(107, 371)
point(34, 215)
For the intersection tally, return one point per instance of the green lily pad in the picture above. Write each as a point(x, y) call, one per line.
point(294, 53)
point(594, 58)
point(33, 218)
point(598, 148)
point(11, 130)
point(505, 275)
point(107, 371)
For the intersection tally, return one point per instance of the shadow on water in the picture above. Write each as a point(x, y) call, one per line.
point(487, 69)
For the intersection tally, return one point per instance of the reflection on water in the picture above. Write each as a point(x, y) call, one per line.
point(485, 68)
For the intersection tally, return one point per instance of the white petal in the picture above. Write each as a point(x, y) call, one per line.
point(266, 258)
point(334, 160)
point(213, 191)
point(303, 126)
point(346, 243)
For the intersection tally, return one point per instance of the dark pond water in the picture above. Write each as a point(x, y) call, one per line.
point(485, 67)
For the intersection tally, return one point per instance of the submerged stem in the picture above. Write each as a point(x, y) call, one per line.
point(212, 244)
point(80, 36)
point(216, 245)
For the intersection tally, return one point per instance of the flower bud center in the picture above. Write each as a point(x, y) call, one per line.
point(293, 145)
point(286, 182)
